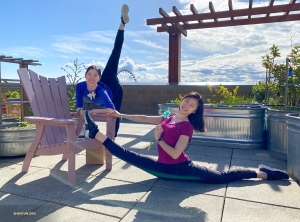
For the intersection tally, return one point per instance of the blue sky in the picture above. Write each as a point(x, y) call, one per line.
point(57, 31)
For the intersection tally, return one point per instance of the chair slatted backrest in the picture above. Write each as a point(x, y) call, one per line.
point(48, 98)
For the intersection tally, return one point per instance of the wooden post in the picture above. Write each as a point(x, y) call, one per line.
point(174, 57)
point(24, 106)
point(96, 156)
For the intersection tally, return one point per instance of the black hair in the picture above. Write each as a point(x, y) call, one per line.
point(93, 67)
point(99, 73)
point(196, 119)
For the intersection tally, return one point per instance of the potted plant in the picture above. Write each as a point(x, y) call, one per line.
point(16, 137)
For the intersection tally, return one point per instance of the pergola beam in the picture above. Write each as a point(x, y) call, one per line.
point(212, 10)
point(181, 23)
point(10, 59)
point(194, 11)
point(291, 2)
point(226, 14)
point(250, 7)
point(230, 8)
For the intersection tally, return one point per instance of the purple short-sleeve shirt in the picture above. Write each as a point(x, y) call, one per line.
point(171, 134)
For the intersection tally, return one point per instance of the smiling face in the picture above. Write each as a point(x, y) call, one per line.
point(188, 105)
point(92, 78)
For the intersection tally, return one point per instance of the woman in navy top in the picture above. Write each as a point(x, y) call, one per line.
point(172, 135)
point(105, 90)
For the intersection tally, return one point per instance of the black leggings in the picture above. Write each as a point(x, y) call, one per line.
point(182, 171)
point(110, 75)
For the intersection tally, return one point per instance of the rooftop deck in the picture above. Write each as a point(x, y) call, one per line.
point(129, 194)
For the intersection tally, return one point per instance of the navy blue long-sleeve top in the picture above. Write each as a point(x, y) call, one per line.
point(103, 97)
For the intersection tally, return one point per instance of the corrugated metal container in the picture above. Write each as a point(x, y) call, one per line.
point(277, 133)
point(293, 145)
point(242, 128)
point(16, 142)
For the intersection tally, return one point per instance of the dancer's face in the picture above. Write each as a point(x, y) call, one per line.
point(188, 105)
point(92, 77)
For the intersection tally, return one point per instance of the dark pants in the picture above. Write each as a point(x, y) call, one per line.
point(183, 171)
point(110, 75)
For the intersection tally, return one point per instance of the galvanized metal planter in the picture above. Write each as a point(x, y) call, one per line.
point(242, 128)
point(16, 142)
point(277, 133)
point(293, 145)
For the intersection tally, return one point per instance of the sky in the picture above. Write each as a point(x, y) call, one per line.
point(55, 32)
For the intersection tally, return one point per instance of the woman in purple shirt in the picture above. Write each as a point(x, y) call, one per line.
point(172, 135)
point(104, 90)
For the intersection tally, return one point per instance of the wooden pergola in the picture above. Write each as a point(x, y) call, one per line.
point(23, 63)
point(179, 24)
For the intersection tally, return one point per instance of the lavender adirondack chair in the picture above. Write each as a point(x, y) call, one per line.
point(55, 128)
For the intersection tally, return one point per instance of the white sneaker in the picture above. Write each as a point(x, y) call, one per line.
point(124, 15)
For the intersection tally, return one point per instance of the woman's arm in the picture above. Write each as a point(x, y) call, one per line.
point(138, 118)
point(103, 111)
point(176, 151)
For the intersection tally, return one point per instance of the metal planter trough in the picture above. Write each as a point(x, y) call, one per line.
point(293, 145)
point(242, 128)
point(16, 142)
point(277, 133)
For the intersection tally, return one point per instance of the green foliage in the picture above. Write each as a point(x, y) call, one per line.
point(22, 123)
point(177, 100)
point(275, 85)
point(74, 78)
point(13, 94)
point(223, 95)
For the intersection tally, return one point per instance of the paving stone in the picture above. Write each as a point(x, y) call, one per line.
point(247, 211)
point(54, 212)
point(13, 207)
point(110, 197)
point(172, 205)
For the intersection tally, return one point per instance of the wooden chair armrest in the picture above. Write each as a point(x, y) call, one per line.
point(49, 121)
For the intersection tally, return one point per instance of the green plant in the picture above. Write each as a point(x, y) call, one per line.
point(23, 123)
point(276, 73)
point(225, 96)
point(177, 100)
point(13, 94)
point(74, 78)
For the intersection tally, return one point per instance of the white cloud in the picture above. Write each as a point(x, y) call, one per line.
point(24, 51)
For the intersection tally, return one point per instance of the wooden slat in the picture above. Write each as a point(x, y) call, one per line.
point(163, 13)
point(230, 7)
point(57, 103)
point(271, 3)
point(194, 11)
point(252, 21)
point(225, 14)
point(291, 3)
point(25, 80)
point(212, 10)
point(178, 13)
point(250, 6)
point(40, 99)
point(62, 86)
point(57, 132)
